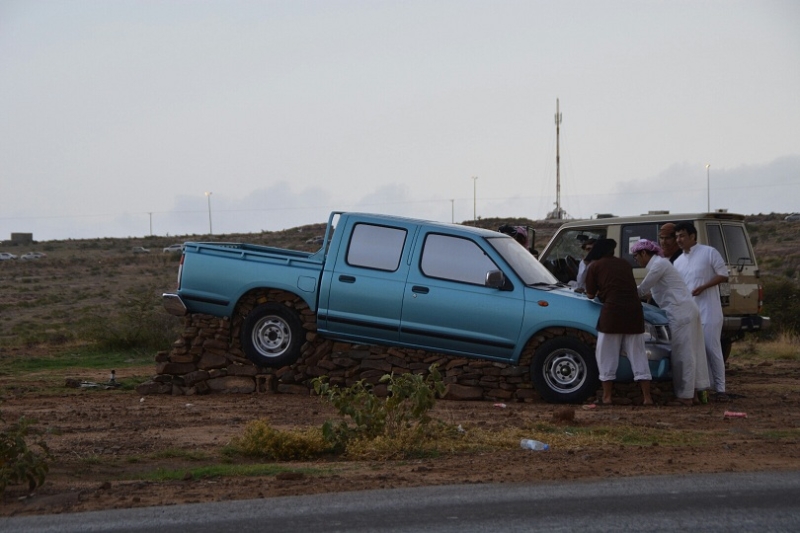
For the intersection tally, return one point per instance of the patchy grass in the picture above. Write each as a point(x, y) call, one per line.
point(784, 346)
point(216, 471)
point(77, 358)
point(188, 455)
point(789, 435)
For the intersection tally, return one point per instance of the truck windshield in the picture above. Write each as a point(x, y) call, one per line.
point(524, 264)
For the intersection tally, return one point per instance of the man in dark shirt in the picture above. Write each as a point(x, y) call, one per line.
point(620, 326)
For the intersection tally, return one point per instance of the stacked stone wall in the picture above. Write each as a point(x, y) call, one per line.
point(208, 358)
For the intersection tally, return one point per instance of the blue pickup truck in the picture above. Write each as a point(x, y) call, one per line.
point(395, 281)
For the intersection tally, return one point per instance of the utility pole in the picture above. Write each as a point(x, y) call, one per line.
point(558, 213)
point(474, 200)
point(210, 230)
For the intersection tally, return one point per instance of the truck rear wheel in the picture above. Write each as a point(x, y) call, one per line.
point(272, 335)
point(564, 370)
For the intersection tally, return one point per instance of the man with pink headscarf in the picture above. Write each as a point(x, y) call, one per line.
point(666, 285)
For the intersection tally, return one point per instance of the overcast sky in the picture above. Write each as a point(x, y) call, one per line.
point(116, 117)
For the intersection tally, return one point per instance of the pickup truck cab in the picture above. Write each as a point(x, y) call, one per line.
point(742, 295)
point(394, 281)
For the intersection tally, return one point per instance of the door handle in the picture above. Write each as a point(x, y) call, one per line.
point(347, 279)
point(420, 290)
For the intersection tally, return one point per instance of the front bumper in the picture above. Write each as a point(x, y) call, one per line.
point(173, 304)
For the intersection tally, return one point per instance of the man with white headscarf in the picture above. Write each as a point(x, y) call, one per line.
point(665, 284)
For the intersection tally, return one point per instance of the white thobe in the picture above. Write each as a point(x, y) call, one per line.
point(688, 361)
point(697, 267)
point(580, 281)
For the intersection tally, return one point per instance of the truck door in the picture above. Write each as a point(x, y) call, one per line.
point(447, 305)
point(366, 282)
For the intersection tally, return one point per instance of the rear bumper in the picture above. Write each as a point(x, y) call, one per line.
point(745, 323)
point(173, 304)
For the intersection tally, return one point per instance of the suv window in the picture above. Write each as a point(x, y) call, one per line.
point(739, 252)
point(731, 242)
point(565, 255)
point(630, 234)
point(437, 259)
point(377, 247)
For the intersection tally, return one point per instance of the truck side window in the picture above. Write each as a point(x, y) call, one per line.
point(377, 247)
point(455, 259)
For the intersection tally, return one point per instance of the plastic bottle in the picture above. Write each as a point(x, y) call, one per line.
point(530, 444)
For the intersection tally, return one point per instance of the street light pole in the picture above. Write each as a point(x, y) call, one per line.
point(208, 196)
point(708, 188)
point(453, 210)
point(474, 200)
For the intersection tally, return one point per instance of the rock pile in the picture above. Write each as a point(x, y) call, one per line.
point(208, 359)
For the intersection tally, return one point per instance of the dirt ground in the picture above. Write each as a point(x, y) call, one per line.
point(103, 442)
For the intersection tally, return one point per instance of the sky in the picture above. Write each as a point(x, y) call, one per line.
point(117, 117)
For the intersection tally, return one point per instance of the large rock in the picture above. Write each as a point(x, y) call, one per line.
point(454, 391)
point(152, 387)
point(232, 384)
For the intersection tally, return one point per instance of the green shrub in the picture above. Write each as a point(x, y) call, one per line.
point(137, 322)
point(18, 462)
point(782, 304)
point(401, 416)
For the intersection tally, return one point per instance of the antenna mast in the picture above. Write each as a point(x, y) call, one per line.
point(559, 213)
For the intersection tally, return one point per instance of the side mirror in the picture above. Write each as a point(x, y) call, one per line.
point(495, 279)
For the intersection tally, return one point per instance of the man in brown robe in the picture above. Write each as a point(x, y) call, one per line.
point(620, 326)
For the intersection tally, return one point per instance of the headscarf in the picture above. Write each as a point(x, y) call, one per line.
point(601, 248)
point(520, 233)
point(650, 246)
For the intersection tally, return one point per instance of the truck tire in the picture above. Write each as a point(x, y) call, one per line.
point(272, 335)
point(564, 370)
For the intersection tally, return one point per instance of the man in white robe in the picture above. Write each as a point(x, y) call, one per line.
point(703, 269)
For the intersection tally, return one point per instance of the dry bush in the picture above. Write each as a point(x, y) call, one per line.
point(260, 439)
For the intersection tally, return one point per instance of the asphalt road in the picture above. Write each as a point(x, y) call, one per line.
point(762, 502)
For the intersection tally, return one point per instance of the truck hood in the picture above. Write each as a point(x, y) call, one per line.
point(652, 314)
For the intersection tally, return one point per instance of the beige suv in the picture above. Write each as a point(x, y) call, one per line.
point(741, 296)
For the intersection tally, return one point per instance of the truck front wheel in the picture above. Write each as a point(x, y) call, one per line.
point(564, 370)
point(272, 335)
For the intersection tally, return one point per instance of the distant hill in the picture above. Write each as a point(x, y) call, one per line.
point(50, 300)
